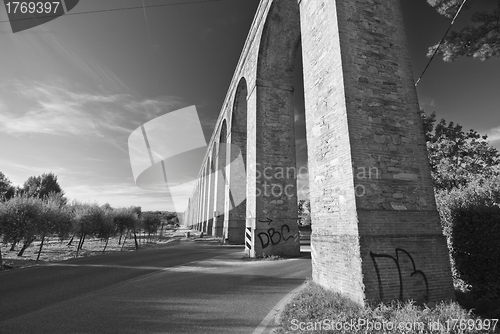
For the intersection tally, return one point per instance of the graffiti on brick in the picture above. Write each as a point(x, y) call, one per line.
point(268, 221)
point(273, 237)
point(397, 261)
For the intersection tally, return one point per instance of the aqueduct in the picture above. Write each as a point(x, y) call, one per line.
point(362, 114)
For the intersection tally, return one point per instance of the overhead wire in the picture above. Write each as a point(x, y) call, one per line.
point(441, 42)
point(143, 7)
point(149, 39)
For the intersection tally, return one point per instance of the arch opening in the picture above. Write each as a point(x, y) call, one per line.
point(272, 204)
point(235, 210)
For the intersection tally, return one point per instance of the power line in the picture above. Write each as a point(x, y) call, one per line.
point(150, 44)
point(119, 9)
point(441, 42)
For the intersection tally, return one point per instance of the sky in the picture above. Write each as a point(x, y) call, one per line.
point(74, 89)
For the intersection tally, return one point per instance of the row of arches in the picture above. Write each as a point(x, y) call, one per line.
point(257, 125)
point(219, 203)
point(361, 111)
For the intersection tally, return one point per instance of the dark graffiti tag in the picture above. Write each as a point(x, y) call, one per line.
point(274, 237)
point(396, 261)
point(268, 221)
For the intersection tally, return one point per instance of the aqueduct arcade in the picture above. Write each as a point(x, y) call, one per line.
point(381, 243)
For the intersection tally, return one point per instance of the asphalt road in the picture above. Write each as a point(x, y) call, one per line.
point(187, 287)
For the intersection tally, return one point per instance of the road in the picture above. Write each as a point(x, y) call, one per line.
point(183, 287)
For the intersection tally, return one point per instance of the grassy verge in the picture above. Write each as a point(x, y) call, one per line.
point(315, 310)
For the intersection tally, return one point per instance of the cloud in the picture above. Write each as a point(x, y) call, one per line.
point(494, 137)
point(493, 134)
point(427, 103)
point(120, 195)
point(104, 78)
point(151, 108)
point(54, 110)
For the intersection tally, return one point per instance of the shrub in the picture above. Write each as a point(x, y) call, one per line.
point(471, 222)
point(316, 310)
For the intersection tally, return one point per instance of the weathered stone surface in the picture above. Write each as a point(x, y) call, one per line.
point(376, 232)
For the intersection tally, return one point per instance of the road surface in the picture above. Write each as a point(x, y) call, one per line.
point(186, 287)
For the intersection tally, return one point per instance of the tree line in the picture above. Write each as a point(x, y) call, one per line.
point(39, 210)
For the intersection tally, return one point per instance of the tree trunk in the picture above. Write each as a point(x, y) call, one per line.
point(26, 245)
point(79, 244)
point(120, 240)
point(83, 240)
point(71, 240)
point(40, 250)
point(106, 245)
point(123, 244)
point(136, 244)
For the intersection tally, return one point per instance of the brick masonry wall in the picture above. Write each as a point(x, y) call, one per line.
point(211, 194)
point(272, 161)
point(372, 201)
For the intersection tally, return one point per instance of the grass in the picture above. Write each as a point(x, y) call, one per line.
point(315, 310)
point(264, 257)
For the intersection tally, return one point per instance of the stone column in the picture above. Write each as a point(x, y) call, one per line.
point(376, 231)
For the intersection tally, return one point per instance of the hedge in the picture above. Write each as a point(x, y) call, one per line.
point(471, 222)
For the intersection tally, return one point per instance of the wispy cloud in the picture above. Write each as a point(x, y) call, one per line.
point(120, 195)
point(35, 170)
point(102, 76)
point(53, 109)
point(494, 134)
point(427, 103)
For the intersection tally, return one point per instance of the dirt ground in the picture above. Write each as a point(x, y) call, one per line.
point(55, 250)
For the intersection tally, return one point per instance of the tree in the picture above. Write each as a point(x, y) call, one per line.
point(481, 40)
point(54, 218)
point(304, 211)
point(107, 207)
point(151, 223)
point(126, 219)
point(7, 190)
point(88, 219)
point(41, 186)
point(1, 227)
point(19, 217)
point(106, 228)
point(457, 157)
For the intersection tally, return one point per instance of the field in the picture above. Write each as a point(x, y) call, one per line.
point(55, 250)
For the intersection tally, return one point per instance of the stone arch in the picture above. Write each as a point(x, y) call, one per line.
point(206, 195)
point(361, 116)
point(211, 191)
point(274, 206)
point(278, 47)
point(220, 165)
point(236, 188)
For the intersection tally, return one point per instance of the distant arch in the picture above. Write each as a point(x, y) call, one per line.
point(235, 220)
